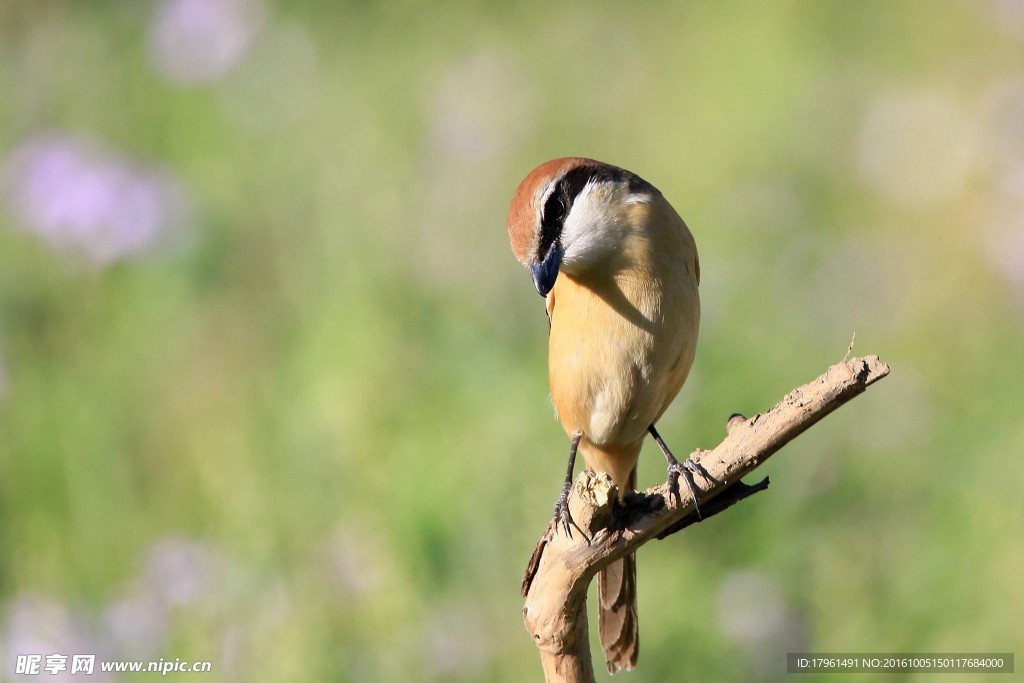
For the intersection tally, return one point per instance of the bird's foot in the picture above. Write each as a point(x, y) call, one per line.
point(686, 470)
point(563, 518)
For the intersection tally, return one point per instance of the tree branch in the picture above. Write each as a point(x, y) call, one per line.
point(561, 568)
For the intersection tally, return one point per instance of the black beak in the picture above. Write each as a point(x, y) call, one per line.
point(545, 272)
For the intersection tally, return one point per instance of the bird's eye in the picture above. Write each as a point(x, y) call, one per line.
point(554, 210)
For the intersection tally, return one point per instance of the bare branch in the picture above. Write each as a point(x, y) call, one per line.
point(556, 581)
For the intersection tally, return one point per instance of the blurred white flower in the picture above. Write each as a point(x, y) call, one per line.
point(750, 606)
point(181, 571)
point(354, 561)
point(1003, 236)
point(1000, 219)
point(1003, 104)
point(459, 646)
point(199, 41)
point(81, 199)
point(481, 107)
point(136, 624)
point(1008, 16)
point(751, 610)
point(276, 85)
point(918, 148)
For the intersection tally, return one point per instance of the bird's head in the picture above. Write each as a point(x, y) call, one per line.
point(571, 214)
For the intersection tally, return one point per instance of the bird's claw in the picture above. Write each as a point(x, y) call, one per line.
point(563, 518)
point(686, 470)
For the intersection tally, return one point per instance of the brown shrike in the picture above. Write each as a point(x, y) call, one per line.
point(618, 268)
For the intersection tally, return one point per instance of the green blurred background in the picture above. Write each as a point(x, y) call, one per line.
point(273, 388)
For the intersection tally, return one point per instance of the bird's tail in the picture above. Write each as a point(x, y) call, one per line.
point(616, 596)
point(616, 593)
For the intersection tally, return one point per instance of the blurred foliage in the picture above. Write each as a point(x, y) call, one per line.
point(269, 436)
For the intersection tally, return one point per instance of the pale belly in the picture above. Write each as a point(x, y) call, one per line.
point(613, 375)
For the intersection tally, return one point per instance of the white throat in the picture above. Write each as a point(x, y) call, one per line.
point(598, 224)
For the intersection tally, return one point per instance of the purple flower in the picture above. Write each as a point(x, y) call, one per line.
point(40, 625)
point(199, 41)
point(80, 199)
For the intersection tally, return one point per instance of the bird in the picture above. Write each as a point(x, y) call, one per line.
point(619, 272)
